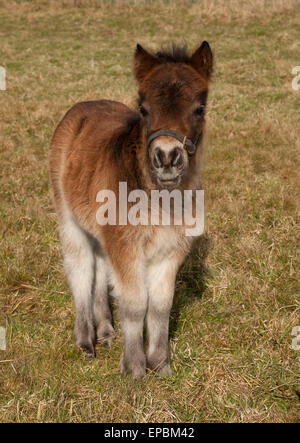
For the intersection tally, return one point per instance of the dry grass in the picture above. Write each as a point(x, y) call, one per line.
point(237, 297)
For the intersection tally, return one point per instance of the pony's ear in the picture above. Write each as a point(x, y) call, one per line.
point(202, 60)
point(143, 62)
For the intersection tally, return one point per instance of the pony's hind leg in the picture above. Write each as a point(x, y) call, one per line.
point(79, 262)
point(102, 313)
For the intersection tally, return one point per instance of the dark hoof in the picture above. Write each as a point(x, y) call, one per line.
point(106, 336)
point(164, 371)
point(162, 368)
point(88, 350)
point(84, 336)
point(135, 369)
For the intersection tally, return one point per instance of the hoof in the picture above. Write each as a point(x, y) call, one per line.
point(105, 337)
point(88, 350)
point(164, 371)
point(137, 370)
point(84, 337)
point(161, 367)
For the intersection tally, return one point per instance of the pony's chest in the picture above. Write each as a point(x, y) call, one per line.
point(165, 243)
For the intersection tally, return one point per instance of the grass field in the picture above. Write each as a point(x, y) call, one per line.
point(237, 297)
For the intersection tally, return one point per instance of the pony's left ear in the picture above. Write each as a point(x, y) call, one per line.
point(143, 62)
point(202, 60)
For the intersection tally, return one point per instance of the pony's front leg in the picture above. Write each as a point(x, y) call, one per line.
point(132, 303)
point(161, 281)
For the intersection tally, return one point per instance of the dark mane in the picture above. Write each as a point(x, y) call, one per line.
point(174, 54)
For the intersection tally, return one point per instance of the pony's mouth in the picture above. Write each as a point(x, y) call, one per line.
point(169, 182)
point(166, 179)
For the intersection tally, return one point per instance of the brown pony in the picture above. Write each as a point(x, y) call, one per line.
point(96, 146)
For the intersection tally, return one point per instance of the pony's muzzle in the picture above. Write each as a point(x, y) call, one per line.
point(168, 159)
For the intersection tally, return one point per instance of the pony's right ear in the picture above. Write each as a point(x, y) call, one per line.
point(143, 62)
point(202, 60)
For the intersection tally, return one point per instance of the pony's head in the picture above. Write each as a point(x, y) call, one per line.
point(172, 98)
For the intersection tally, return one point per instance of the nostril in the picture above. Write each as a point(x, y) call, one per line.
point(176, 157)
point(157, 158)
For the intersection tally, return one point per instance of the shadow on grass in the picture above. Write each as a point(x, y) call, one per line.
point(191, 280)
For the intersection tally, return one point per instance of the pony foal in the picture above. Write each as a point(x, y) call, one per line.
point(99, 144)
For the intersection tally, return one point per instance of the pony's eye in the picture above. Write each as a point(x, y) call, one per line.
point(143, 111)
point(199, 111)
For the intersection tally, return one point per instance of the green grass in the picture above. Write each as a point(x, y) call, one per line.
point(237, 297)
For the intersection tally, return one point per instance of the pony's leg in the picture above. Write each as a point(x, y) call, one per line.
point(79, 265)
point(132, 304)
point(161, 283)
point(102, 314)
